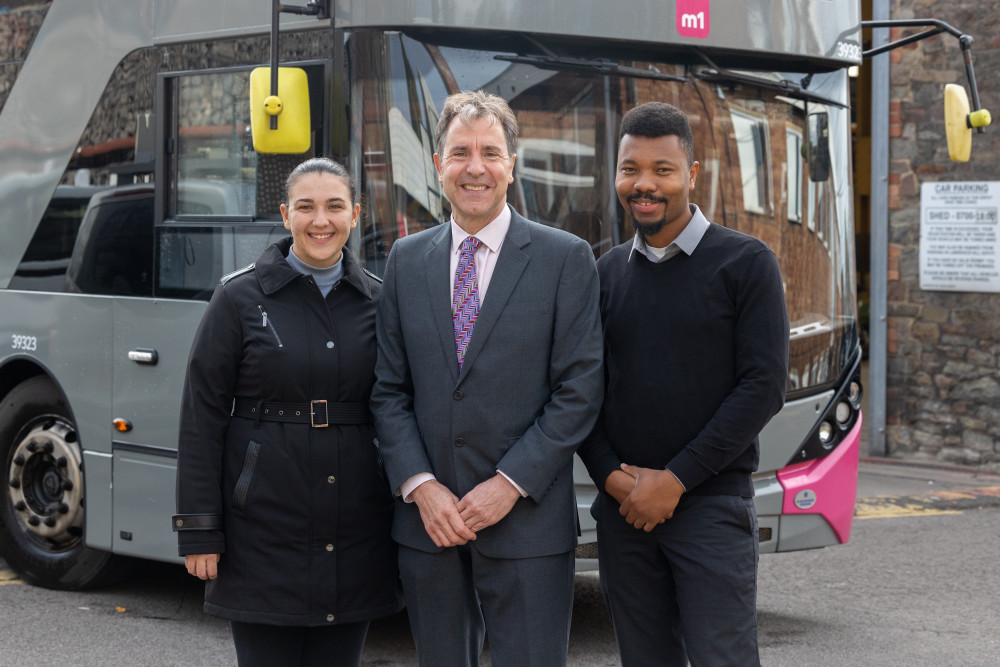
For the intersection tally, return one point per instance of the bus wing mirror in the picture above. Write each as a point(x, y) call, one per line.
point(291, 131)
point(818, 146)
point(958, 122)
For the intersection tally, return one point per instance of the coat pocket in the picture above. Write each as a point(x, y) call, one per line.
point(246, 476)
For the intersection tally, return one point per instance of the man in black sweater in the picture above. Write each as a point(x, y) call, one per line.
point(696, 358)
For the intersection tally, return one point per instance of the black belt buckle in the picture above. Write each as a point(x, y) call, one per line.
point(312, 414)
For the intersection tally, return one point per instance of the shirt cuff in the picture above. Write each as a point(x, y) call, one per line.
point(524, 494)
point(677, 478)
point(407, 487)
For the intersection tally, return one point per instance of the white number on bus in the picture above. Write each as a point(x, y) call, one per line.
point(26, 343)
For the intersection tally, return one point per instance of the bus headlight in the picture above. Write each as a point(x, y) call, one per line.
point(854, 395)
point(842, 413)
point(825, 433)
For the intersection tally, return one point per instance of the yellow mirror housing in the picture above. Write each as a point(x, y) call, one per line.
point(958, 122)
point(290, 107)
point(957, 130)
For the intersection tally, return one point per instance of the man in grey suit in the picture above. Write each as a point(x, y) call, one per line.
point(489, 376)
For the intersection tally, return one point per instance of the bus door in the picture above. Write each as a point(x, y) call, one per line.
point(152, 338)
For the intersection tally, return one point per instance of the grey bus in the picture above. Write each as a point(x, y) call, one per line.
point(129, 184)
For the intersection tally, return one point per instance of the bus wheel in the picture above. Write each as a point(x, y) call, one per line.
point(41, 518)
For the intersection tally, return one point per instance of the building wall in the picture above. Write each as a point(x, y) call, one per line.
point(943, 376)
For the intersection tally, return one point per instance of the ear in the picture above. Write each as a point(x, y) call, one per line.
point(437, 165)
point(356, 216)
point(693, 175)
point(284, 217)
point(510, 174)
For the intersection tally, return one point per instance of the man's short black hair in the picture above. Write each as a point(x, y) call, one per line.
point(659, 119)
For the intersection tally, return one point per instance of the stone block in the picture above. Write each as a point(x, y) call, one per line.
point(927, 332)
point(984, 389)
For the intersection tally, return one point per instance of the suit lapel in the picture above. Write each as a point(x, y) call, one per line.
point(510, 265)
point(437, 265)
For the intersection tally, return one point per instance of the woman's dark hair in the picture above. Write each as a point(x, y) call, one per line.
point(321, 165)
point(659, 119)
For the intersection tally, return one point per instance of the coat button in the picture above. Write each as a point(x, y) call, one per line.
point(329, 617)
point(331, 479)
point(329, 344)
point(459, 442)
point(458, 395)
point(330, 547)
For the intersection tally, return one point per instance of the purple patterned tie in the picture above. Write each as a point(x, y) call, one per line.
point(465, 301)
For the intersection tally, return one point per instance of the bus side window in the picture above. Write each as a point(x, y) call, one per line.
point(114, 249)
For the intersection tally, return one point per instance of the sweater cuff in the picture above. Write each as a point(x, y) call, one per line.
point(601, 468)
point(687, 470)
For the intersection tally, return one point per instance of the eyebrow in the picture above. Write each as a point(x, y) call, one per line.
point(309, 200)
point(490, 147)
point(662, 161)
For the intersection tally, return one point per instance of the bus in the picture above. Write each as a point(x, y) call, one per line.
point(130, 184)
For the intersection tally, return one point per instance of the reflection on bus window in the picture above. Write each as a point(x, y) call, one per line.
point(43, 267)
point(113, 253)
point(213, 144)
point(793, 151)
point(752, 147)
point(190, 260)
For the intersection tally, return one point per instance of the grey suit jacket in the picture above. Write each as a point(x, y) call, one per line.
point(529, 392)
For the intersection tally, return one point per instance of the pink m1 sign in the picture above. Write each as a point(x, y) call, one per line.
point(693, 18)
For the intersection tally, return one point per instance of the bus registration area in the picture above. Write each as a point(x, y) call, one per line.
point(959, 236)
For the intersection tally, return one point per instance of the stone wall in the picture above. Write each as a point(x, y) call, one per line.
point(943, 396)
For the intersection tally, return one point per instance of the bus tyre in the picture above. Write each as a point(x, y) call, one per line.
point(41, 517)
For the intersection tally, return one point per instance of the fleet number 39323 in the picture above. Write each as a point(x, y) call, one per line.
point(26, 343)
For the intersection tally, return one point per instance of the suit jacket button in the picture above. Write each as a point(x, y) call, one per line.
point(458, 395)
point(459, 442)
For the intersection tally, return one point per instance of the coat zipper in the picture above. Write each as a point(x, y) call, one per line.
point(269, 325)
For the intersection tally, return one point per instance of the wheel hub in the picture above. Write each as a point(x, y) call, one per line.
point(45, 484)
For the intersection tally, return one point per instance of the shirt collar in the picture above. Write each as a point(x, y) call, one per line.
point(492, 235)
point(686, 241)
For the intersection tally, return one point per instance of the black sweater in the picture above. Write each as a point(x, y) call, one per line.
point(696, 359)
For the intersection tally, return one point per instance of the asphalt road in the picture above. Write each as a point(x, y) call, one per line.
point(915, 586)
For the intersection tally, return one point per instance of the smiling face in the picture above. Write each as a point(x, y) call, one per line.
point(320, 215)
point(653, 183)
point(475, 169)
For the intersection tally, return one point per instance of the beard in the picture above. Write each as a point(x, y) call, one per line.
point(647, 229)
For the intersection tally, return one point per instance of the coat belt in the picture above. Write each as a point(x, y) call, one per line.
point(318, 413)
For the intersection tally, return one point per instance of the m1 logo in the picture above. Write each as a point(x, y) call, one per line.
point(693, 18)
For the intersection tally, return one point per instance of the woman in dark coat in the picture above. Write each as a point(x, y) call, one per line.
point(282, 502)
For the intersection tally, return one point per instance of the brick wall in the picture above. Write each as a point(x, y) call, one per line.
point(943, 383)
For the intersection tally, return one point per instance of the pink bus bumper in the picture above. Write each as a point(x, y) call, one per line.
point(826, 486)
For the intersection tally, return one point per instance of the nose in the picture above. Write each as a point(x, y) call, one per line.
point(475, 166)
point(644, 182)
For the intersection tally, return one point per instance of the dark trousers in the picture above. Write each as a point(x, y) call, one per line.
point(259, 645)
point(687, 590)
point(457, 595)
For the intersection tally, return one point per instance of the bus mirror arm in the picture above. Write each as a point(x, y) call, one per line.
point(979, 118)
point(318, 8)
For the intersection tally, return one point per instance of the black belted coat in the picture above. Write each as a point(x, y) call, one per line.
point(301, 515)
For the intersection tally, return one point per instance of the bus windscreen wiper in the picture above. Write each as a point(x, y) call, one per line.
point(786, 87)
point(600, 65)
